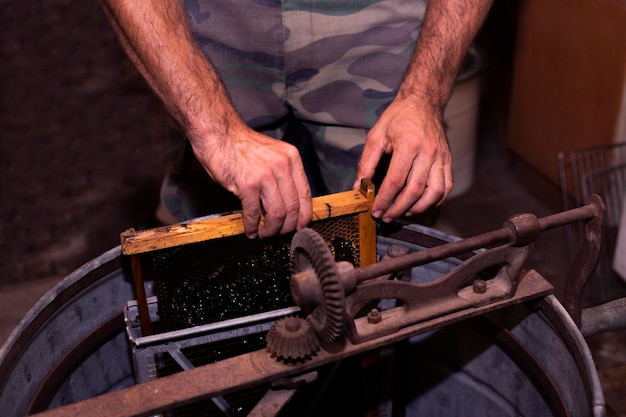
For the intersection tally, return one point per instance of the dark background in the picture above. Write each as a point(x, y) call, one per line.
point(82, 141)
point(82, 146)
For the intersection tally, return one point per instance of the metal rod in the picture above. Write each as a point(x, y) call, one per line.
point(186, 365)
point(436, 253)
point(485, 240)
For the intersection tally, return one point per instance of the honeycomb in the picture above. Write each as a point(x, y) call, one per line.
point(233, 276)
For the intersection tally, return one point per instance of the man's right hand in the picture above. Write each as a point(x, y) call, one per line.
point(266, 174)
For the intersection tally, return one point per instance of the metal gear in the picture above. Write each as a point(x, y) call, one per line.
point(291, 339)
point(310, 251)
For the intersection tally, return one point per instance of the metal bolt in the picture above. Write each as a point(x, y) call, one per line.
point(479, 286)
point(292, 324)
point(395, 251)
point(374, 316)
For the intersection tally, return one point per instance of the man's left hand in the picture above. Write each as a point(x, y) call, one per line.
point(420, 172)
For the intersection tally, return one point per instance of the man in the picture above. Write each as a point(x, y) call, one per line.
point(354, 74)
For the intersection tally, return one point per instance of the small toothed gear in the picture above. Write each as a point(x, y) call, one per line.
point(291, 339)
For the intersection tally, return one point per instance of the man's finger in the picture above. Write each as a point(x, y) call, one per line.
point(251, 213)
point(303, 191)
point(432, 195)
point(400, 167)
point(370, 157)
point(274, 210)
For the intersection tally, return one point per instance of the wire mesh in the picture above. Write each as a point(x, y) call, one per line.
point(233, 276)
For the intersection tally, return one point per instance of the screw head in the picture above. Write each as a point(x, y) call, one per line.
point(374, 316)
point(479, 286)
point(292, 324)
point(396, 251)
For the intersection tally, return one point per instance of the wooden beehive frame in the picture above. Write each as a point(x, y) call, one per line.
point(134, 243)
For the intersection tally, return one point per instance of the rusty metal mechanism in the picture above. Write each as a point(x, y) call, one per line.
point(340, 313)
point(333, 290)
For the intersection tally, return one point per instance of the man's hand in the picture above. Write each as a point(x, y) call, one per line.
point(420, 172)
point(411, 128)
point(266, 174)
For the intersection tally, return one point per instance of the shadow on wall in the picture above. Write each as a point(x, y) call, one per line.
point(82, 139)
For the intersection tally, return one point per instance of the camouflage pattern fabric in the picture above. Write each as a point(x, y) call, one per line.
point(331, 65)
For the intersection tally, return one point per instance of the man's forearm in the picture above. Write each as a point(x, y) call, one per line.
point(156, 37)
point(448, 29)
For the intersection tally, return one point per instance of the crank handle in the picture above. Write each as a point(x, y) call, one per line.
point(606, 317)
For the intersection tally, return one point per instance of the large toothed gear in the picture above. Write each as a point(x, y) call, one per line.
point(310, 251)
point(292, 339)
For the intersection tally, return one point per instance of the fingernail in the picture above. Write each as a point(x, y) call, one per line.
point(387, 219)
point(408, 214)
point(377, 213)
point(252, 236)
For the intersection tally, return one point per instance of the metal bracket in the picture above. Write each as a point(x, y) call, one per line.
point(458, 290)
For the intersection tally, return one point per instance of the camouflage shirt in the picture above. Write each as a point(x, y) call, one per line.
point(327, 67)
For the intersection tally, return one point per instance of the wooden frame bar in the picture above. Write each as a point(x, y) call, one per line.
point(324, 207)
